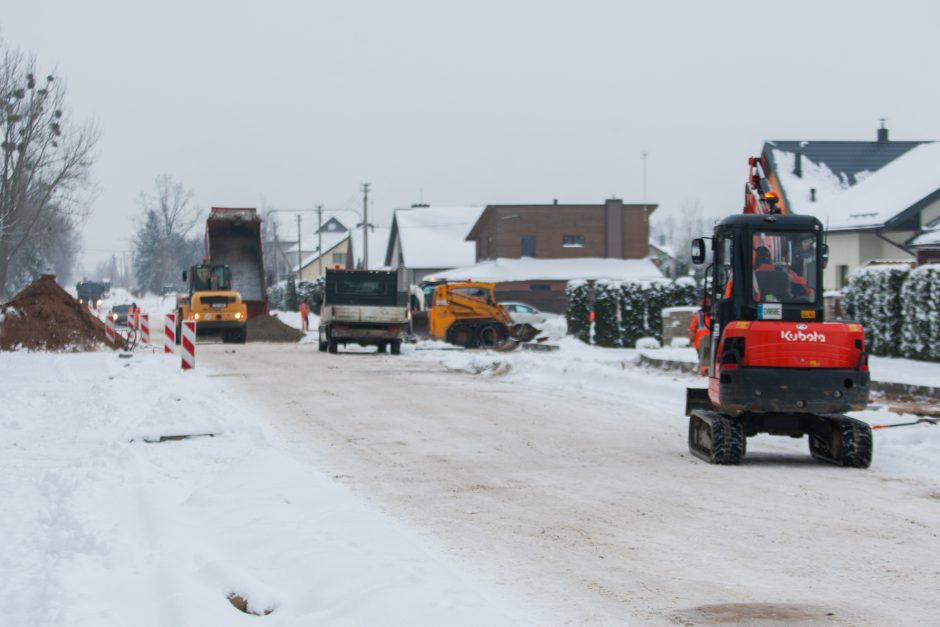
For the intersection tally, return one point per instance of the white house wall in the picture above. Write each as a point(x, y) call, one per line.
point(855, 249)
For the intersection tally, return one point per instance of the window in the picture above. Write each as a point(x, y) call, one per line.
point(843, 276)
point(572, 241)
point(784, 267)
point(725, 256)
point(339, 258)
point(528, 245)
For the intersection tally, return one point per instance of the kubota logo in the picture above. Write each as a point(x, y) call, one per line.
point(800, 336)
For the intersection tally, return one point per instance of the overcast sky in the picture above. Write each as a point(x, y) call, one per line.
point(296, 103)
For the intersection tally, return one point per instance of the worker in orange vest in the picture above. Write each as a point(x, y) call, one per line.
point(700, 330)
point(132, 313)
point(304, 313)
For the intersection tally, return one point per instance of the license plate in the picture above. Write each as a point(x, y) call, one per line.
point(218, 305)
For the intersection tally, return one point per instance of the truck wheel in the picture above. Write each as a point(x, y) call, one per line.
point(383, 348)
point(396, 347)
point(322, 347)
point(492, 334)
point(332, 346)
point(241, 335)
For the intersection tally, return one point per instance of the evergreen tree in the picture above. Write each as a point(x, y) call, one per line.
point(291, 300)
point(632, 313)
point(607, 313)
point(578, 312)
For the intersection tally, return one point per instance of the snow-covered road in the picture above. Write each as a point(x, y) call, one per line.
point(439, 487)
point(566, 478)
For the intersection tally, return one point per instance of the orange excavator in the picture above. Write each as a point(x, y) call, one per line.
point(774, 365)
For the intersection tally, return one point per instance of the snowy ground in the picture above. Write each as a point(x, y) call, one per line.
point(105, 525)
point(440, 487)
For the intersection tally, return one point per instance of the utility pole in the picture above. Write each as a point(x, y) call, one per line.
point(320, 239)
point(365, 225)
point(299, 254)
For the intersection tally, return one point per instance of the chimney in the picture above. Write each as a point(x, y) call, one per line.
point(812, 194)
point(613, 228)
point(555, 201)
point(882, 132)
point(798, 165)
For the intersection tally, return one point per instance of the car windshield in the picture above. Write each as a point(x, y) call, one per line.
point(784, 267)
point(120, 308)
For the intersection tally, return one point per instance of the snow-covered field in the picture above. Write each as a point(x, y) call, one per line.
point(103, 524)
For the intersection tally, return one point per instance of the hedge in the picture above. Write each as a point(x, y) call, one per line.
point(625, 311)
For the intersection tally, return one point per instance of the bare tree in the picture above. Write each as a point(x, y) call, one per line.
point(46, 161)
point(162, 245)
point(677, 233)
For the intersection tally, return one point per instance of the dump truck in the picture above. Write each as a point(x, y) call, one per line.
point(467, 314)
point(228, 288)
point(361, 307)
point(91, 292)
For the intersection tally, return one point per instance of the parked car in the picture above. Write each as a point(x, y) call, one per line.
point(118, 314)
point(525, 314)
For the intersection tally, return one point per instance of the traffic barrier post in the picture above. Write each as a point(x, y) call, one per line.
point(109, 328)
point(188, 345)
point(145, 329)
point(169, 333)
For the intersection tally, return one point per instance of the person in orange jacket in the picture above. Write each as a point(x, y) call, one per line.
point(700, 330)
point(304, 315)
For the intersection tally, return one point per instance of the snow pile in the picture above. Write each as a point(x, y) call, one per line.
point(103, 524)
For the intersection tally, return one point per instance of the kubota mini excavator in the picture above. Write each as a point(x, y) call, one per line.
point(775, 366)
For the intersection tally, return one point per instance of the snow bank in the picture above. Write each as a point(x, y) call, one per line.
point(105, 525)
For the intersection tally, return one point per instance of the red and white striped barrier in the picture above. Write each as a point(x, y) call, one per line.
point(145, 329)
point(169, 333)
point(109, 329)
point(188, 345)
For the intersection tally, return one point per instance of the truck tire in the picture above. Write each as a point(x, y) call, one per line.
point(322, 347)
point(382, 347)
point(396, 347)
point(461, 334)
point(492, 334)
point(332, 346)
point(240, 336)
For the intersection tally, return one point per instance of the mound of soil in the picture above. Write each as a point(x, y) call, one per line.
point(269, 329)
point(44, 317)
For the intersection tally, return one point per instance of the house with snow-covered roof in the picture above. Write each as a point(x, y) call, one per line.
point(424, 240)
point(874, 198)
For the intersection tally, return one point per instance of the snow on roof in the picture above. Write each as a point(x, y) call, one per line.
point(330, 241)
point(378, 243)
point(582, 268)
point(435, 237)
point(816, 176)
point(874, 200)
point(930, 237)
point(309, 225)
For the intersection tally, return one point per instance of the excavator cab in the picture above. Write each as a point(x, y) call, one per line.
point(212, 304)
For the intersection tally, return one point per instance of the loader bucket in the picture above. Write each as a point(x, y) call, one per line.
point(523, 332)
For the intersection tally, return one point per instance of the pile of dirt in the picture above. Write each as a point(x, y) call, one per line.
point(269, 329)
point(44, 317)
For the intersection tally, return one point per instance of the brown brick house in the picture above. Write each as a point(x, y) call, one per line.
point(610, 230)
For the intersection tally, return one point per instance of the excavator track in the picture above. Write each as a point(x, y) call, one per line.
point(716, 438)
point(848, 442)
